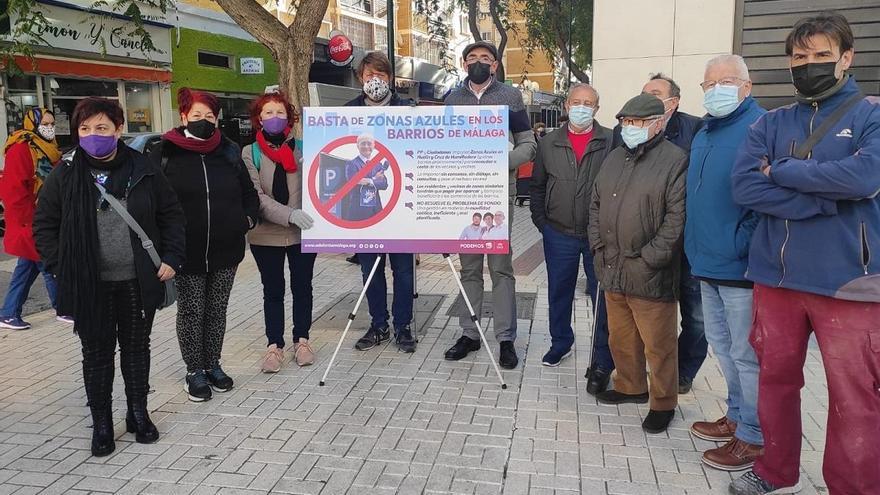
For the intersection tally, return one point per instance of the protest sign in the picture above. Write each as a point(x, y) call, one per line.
point(406, 179)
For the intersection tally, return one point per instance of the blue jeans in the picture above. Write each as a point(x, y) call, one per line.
point(728, 313)
point(23, 277)
point(377, 292)
point(692, 345)
point(563, 254)
point(270, 261)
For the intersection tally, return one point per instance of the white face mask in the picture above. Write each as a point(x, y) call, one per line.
point(47, 131)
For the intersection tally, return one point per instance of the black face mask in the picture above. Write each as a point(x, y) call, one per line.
point(478, 72)
point(202, 129)
point(813, 79)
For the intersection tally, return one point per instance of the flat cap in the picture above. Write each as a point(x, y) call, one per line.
point(480, 44)
point(641, 106)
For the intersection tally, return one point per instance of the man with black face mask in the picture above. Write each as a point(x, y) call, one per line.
point(481, 88)
point(814, 261)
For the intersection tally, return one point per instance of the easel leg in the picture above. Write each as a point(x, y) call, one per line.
point(351, 319)
point(476, 320)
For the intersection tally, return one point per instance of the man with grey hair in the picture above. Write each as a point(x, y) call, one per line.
point(713, 221)
point(568, 161)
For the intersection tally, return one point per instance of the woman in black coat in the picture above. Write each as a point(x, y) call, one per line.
point(221, 205)
point(106, 280)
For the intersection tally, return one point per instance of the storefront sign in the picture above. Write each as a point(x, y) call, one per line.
point(340, 48)
point(406, 179)
point(75, 29)
point(251, 65)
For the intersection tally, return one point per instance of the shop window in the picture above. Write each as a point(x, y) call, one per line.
point(138, 105)
point(82, 88)
point(215, 60)
point(22, 95)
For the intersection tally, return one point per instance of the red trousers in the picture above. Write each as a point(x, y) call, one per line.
point(848, 333)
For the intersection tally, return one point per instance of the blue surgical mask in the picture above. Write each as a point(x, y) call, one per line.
point(581, 116)
point(721, 101)
point(634, 136)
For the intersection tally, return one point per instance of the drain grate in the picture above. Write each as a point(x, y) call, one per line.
point(525, 306)
point(334, 316)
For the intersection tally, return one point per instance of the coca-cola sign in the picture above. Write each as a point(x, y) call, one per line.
point(340, 49)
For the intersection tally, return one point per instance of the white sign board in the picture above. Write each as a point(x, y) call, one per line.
point(251, 65)
point(74, 29)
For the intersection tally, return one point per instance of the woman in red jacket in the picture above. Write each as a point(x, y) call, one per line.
point(31, 153)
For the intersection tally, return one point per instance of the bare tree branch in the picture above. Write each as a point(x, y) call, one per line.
point(257, 21)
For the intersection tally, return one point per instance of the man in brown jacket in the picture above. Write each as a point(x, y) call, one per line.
point(635, 232)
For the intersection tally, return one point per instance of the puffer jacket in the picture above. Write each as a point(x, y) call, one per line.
point(820, 228)
point(637, 220)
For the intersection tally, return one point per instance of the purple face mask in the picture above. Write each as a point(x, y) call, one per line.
point(98, 146)
point(275, 125)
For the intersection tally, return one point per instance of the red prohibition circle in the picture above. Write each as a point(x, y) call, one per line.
point(367, 222)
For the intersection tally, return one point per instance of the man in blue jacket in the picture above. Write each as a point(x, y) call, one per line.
point(815, 263)
point(717, 236)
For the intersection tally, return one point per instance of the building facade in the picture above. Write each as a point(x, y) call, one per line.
point(678, 37)
point(90, 54)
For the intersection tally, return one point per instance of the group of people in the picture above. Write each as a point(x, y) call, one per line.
point(759, 227)
point(485, 226)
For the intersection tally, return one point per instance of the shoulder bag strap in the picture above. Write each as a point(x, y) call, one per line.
point(803, 150)
point(132, 223)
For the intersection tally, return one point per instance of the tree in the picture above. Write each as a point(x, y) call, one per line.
point(291, 46)
point(498, 10)
point(556, 27)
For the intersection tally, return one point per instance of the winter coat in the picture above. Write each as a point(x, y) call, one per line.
point(561, 188)
point(151, 202)
point(637, 220)
point(218, 198)
point(275, 228)
point(718, 231)
point(820, 226)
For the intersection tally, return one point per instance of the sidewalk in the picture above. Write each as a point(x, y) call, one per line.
point(386, 422)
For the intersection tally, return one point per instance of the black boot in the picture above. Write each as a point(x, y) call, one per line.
point(102, 431)
point(137, 421)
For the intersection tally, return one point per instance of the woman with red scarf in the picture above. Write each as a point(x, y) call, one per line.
point(221, 205)
point(274, 172)
point(31, 154)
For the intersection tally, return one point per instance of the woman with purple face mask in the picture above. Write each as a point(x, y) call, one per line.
point(106, 280)
point(273, 168)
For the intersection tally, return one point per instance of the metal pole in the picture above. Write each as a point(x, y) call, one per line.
point(570, 22)
point(390, 33)
point(475, 319)
point(351, 317)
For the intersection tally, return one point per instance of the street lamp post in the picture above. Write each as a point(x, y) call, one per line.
point(570, 44)
point(390, 33)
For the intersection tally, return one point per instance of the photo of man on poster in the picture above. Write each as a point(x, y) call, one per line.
point(364, 201)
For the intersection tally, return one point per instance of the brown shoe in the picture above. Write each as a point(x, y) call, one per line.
point(303, 354)
point(716, 431)
point(735, 455)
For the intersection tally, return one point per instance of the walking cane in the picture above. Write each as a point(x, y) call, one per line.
point(596, 304)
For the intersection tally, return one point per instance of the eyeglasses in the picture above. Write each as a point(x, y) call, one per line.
point(727, 81)
point(482, 58)
point(637, 122)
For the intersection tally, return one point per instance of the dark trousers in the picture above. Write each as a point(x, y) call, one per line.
point(202, 300)
point(563, 255)
point(122, 319)
point(692, 344)
point(377, 292)
point(848, 333)
point(270, 261)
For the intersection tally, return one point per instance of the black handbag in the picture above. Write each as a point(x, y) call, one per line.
point(146, 243)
